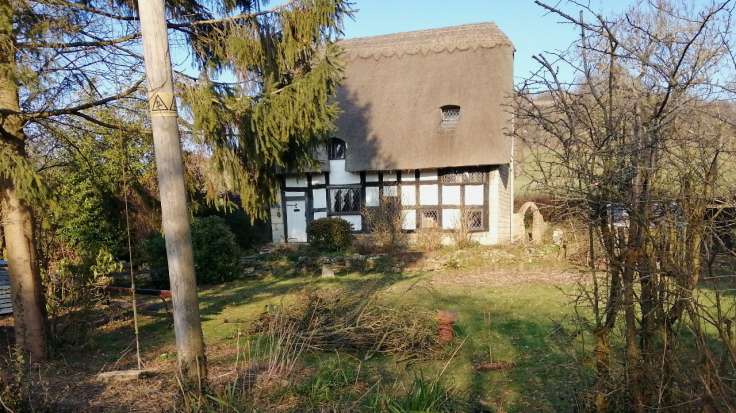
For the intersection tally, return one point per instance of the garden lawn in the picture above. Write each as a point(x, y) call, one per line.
point(513, 318)
point(518, 318)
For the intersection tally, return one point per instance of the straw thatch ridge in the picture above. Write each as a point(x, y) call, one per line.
point(396, 84)
point(448, 39)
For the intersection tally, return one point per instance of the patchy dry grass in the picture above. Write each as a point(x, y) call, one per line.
point(512, 314)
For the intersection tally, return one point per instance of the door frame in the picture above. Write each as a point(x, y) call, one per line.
point(306, 217)
point(308, 194)
point(305, 196)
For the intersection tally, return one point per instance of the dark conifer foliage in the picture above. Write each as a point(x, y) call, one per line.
point(279, 107)
point(71, 68)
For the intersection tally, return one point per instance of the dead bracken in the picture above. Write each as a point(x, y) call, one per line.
point(337, 319)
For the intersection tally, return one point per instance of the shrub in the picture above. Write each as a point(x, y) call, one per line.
point(154, 254)
point(249, 232)
point(462, 235)
point(331, 234)
point(216, 253)
point(384, 223)
point(429, 239)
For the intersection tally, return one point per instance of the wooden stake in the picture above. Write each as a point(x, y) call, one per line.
point(175, 216)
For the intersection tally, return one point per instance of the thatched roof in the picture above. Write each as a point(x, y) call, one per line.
point(395, 85)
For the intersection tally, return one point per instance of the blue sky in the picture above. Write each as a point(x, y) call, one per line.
point(527, 25)
point(530, 28)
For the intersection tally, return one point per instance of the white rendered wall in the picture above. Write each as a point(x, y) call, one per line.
point(339, 176)
point(319, 198)
point(493, 206)
point(506, 203)
point(451, 195)
point(372, 196)
point(429, 194)
point(499, 208)
point(355, 220)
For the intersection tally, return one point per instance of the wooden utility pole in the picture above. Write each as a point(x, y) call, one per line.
point(175, 216)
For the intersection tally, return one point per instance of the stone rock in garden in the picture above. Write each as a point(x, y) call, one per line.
point(371, 263)
point(304, 264)
point(558, 237)
point(357, 263)
point(327, 271)
point(123, 375)
point(249, 270)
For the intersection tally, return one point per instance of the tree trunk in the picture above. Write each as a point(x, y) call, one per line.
point(633, 356)
point(602, 366)
point(17, 220)
point(25, 281)
point(175, 215)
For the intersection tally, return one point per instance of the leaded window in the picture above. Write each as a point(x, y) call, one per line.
point(463, 176)
point(474, 219)
point(345, 200)
point(450, 114)
point(336, 149)
point(430, 218)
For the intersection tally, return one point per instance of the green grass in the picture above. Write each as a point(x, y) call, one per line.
point(513, 324)
point(524, 324)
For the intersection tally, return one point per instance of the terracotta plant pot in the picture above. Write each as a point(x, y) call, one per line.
point(445, 323)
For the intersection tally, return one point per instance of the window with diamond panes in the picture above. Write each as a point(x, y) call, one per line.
point(463, 176)
point(450, 114)
point(474, 219)
point(345, 200)
point(430, 218)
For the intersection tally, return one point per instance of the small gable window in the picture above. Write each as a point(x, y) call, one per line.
point(450, 114)
point(336, 149)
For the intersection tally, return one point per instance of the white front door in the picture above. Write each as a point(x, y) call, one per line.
point(296, 221)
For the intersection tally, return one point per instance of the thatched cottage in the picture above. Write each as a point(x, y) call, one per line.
point(424, 119)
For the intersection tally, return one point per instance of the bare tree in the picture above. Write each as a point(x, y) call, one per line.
point(633, 144)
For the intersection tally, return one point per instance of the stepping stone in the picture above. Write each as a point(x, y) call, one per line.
point(123, 375)
point(327, 271)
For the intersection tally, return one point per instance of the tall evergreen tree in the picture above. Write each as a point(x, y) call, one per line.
point(279, 108)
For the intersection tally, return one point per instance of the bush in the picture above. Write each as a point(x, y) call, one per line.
point(331, 234)
point(249, 233)
point(462, 235)
point(216, 253)
point(154, 254)
point(384, 223)
point(429, 239)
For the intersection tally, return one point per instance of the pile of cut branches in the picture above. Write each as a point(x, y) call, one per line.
point(346, 320)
